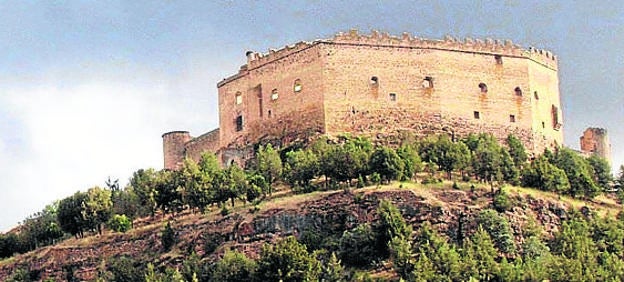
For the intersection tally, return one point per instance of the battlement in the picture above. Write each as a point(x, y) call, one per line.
point(255, 60)
point(406, 40)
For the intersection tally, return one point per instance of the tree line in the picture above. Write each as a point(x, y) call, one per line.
point(321, 165)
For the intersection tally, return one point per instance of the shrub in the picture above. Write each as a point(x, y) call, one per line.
point(357, 247)
point(120, 223)
point(501, 201)
point(168, 237)
point(498, 228)
point(212, 242)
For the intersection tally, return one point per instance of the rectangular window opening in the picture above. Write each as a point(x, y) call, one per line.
point(239, 123)
point(393, 97)
point(477, 115)
point(427, 82)
point(512, 118)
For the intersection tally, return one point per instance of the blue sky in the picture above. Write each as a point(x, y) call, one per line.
point(88, 87)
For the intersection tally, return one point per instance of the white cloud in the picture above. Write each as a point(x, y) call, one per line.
point(74, 137)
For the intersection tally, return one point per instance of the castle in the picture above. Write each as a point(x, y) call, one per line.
point(382, 86)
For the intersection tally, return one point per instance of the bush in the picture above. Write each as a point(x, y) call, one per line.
point(357, 247)
point(224, 210)
point(501, 201)
point(212, 242)
point(498, 228)
point(120, 223)
point(168, 237)
point(126, 269)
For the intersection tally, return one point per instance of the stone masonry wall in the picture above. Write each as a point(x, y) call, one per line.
point(266, 115)
point(208, 142)
point(382, 85)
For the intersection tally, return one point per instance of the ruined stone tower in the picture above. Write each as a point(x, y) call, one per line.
point(595, 141)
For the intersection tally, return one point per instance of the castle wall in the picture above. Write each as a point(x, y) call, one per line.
point(353, 103)
point(384, 86)
point(293, 114)
point(208, 142)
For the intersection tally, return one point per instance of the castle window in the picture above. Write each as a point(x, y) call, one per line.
point(239, 123)
point(427, 82)
point(483, 87)
point(274, 94)
point(555, 118)
point(518, 91)
point(543, 124)
point(270, 114)
point(239, 98)
point(512, 118)
point(498, 59)
point(374, 80)
point(477, 115)
point(297, 85)
point(535, 95)
point(393, 97)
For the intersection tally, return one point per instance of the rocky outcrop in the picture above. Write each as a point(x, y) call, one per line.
point(449, 211)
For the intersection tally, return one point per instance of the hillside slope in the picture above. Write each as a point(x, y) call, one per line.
point(245, 228)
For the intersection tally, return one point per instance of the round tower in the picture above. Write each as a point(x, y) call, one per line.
point(173, 148)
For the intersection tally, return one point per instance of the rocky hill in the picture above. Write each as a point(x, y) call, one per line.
point(246, 228)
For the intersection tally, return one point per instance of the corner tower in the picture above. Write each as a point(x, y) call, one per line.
point(174, 148)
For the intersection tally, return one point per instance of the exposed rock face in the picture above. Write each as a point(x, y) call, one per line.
point(331, 212)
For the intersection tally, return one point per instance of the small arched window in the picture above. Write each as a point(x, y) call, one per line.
point(274, 94)
point(483, 87)
point(297, 85)
point(518, 91)
point(374, 80)
point(535, 95)
point(239, 98)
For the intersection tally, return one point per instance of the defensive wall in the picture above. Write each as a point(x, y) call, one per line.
point(383, 86)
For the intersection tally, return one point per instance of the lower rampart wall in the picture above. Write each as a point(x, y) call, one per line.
point(208, 142)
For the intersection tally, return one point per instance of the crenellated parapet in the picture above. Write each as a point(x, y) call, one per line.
point(255, 59)
point(406, 40)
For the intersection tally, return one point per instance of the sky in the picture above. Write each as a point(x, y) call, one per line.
point(87, 88)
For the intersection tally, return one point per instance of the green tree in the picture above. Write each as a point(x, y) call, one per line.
point(543, 175)
point(301, 167)
point(333, 270)
point(236, 183)
point(601, 172)
point(498, 228)
point(70, 215)
point(435, 255)
point(574, 242)
point(357, 247)
point(143, 183)
point(168, 237)
point(411, 160)
point(120, 223)
point(487, 161)
point(579, 173)
point(269, 164)
point(287, 260)
point(97, 208)
point(234, 266)
point(479, 256)
point(516, 151)
point(387, 163)
point(168, 191)
point(257, 186)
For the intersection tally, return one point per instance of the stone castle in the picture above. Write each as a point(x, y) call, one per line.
point(382, 86)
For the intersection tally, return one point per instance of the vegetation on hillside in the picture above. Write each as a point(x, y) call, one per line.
point(490, 253)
